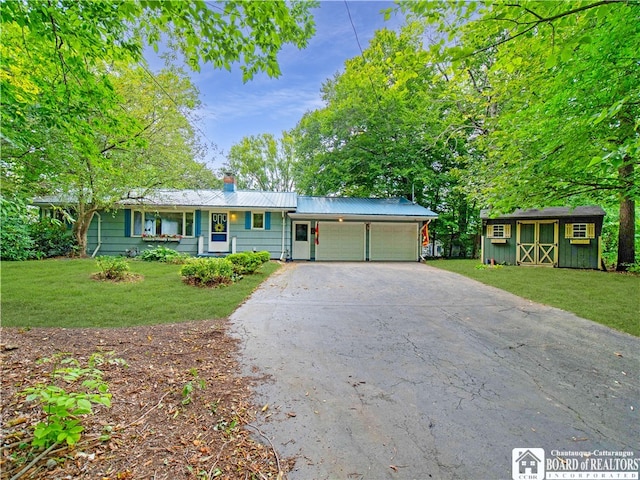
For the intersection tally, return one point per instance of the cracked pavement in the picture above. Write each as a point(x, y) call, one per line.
point(401, 370)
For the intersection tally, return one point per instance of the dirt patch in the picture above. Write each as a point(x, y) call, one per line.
point(180, 406)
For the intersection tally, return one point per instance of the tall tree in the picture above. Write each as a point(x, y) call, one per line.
point(69, 122)
point(562, 80)
point(262, 162)
point(382, 133)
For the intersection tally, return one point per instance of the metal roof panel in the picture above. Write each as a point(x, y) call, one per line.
point(396, 206)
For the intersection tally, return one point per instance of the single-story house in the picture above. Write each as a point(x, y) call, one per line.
point(556, 236)
point(289, 226)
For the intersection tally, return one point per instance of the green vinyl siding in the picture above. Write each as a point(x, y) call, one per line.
point(269, 239)
point(503, 252)
point(569, 255)
point(579, 255)
point(114, 241)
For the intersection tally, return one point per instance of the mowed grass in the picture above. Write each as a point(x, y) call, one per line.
point(612, 299)
point(61, 293)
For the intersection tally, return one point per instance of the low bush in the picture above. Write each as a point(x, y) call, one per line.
point(15, 242)
point(51, 238)
point(246, 263)
point(207, 272)
point(264, 256)
point(112, 268)
point(164, 254)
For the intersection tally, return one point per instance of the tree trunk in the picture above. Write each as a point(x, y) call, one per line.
point(626, 233)
point(81, 227)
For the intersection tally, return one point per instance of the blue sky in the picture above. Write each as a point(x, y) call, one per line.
point(232, 110)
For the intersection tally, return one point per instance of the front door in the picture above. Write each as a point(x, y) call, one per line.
point(218, 232)
point(301, 241)
point(537, 243)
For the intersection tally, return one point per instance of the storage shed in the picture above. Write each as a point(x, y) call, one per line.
point(556, 236)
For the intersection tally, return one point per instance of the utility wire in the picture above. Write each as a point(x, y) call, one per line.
point(164, 91)
point(373, 87)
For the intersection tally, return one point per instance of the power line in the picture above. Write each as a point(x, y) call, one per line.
point(164, 91)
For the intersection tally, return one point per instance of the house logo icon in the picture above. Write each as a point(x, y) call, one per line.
point(527, 463)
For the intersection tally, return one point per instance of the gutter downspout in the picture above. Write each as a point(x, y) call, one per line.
point(93, 255)
point(282, 251)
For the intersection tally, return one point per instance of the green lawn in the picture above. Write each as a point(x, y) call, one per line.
point(609, 298)
point(61, 293)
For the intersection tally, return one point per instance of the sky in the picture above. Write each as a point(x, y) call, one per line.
point(232, 110)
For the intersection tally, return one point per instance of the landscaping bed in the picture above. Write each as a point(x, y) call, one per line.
point(179, 405)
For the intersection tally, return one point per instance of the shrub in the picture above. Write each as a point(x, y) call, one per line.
point(207, 272)
point(15, 242)
point(51, 238)
point(264, 256)
point(248, 262)
point(112, 268)
point(164, 254)
point(244, 263)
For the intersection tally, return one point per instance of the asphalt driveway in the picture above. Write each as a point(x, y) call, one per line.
point(401, 370)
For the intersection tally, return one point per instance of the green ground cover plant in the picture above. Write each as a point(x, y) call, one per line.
point(609, 298)
point(163, 254)
point(71, 394)
point(61, 293)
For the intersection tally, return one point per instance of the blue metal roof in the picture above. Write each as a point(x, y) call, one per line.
point(219, 199)
point(397, 206)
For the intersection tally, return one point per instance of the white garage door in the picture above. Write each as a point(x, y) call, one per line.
point(343, 241)
point(394, 242)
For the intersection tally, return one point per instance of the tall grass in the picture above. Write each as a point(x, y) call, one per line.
point(609, 298)
point(61, 293)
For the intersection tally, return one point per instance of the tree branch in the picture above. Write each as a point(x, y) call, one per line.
point(533, 24)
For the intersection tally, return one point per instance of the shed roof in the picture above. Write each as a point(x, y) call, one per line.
point(398, 206)
point(550, 212)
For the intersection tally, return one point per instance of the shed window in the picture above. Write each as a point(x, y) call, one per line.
point(499, 231)
point(155, 224)
point(580, 230)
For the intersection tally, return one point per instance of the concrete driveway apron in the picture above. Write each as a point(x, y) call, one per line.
point(401, 370)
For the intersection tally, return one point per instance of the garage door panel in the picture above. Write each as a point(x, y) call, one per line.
point(394, 242)
point(342, 241)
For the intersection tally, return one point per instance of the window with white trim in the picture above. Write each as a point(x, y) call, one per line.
point(162, 223)
point(580, 230)
point(257, 220)
point(499, 230)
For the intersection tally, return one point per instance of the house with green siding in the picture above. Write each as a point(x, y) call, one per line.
point(556, 237)
point(288, 226)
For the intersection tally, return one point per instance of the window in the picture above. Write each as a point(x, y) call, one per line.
point(499, 231)
point(156, 224)
point(257, 221)
point(580, 230)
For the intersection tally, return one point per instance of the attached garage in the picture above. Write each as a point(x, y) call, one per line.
point(359, 229)
point(393, 242)
point(342, 241)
